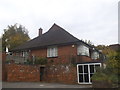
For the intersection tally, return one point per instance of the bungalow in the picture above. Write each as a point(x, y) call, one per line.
point(62, 48)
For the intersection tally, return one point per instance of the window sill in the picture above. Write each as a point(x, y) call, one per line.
point(83, 55)
point(53, 57)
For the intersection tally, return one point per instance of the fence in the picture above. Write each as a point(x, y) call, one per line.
point(16, 59)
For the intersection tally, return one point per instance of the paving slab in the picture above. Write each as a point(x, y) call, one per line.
point(40, 85)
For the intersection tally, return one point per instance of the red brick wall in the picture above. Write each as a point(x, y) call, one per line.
point(54, 73)
point(67, 50)
point(39, 52)
point(61, 74)
point(64, 53)
point(4, 72)
point(84, 59)
point(22, 73)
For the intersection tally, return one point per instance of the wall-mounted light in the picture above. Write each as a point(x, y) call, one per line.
point(73, 46)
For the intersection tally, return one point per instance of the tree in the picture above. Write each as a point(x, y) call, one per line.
point(88, 42)
point(100, 47)
point(111, 73)
point(14, 36)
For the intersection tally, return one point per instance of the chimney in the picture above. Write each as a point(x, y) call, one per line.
point(40, 31)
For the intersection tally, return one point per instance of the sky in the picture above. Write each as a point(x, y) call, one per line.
point(94, 20)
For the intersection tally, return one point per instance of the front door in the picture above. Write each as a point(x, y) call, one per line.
point(41, 73)
point(85, 72)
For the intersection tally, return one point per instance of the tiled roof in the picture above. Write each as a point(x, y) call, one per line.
point(54, 36)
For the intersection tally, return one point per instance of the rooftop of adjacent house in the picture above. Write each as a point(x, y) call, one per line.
point(54, 36)
point(115, 46)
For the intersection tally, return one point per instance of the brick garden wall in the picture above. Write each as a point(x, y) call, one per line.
point(22, 73)
point(53, 73)
point(4, 72)
point(61, 74)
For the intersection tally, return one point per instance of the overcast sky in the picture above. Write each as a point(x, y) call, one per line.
point(94, 20)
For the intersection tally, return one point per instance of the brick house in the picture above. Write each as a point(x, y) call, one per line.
point(62, 48)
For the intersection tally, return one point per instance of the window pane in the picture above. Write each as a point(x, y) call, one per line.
point(97, 66)
point(80, 69)
point(83, 50)
point(86, 50)
point(48, 52)
point(91, 68)
point(80, 77)
point(86, 76)
point(85, 68)
point(91, 76)
point(56, 52)
point(95, 55)
point(52, 51)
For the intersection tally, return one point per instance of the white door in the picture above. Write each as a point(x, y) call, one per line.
point(85, 72)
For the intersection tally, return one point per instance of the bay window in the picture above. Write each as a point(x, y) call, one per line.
point(95, 55)
point(83, 50)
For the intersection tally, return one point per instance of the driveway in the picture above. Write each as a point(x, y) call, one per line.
point(40, 85)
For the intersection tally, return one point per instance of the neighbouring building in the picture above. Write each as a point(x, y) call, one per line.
point(115, 47)
point(62, 49)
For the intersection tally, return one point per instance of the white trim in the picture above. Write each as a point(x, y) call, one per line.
point(84, 83)
point(84, 73)
point(88, 63)
point(77, 74)
point(89, 72)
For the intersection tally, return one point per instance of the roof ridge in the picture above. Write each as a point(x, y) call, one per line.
point(55, 35)
point(62, 29)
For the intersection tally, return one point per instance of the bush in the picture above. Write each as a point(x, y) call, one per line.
point(7, 61)
point(111, 73)
point(41, 61)
point(30, 62)
point(100, 75)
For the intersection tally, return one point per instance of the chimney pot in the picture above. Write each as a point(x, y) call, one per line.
point(40, 31)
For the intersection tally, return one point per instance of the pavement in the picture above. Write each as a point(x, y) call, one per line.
point(41, 85)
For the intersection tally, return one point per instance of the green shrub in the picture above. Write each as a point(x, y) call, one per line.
point(111, 73)
point(7, 61)
point(30, 62)
point(100, 75)
point(113, 78)
point(40, 60)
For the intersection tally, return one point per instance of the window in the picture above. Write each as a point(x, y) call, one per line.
point(52, 52)
point(83, 50)
point(24, 54)
point(95, 55)
point(85, 72)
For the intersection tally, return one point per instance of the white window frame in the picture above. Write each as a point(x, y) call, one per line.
point(84, 73)
point(83, 50)
point(52, 51)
